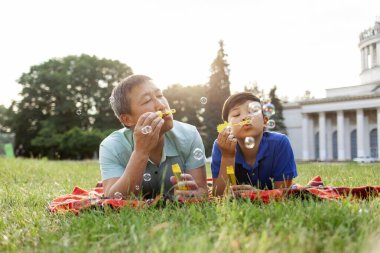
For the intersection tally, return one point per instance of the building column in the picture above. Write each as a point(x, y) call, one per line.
point(322, 136)
point(360, 132)
point(305, 137)
point(378, 133)
point(378, 53)
point(340, 128)
point(366, 57)
point(372, 55)
point(362, 58)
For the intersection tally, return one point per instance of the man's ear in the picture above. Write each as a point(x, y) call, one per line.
point(126, 119)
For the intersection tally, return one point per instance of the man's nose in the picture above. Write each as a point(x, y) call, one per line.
point(159, 105)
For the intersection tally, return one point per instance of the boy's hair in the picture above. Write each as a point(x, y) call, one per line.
point(119, 100)
point(237, 99)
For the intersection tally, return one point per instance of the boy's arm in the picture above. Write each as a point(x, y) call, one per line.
point(282, 184)
point(219, 183)
point(285, 165)
point(226, 148)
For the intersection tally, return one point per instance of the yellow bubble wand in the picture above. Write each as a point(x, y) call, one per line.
point(162, 114)
point(221, 127)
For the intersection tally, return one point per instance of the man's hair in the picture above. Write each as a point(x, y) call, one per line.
point(237, 99)
point(120, 100)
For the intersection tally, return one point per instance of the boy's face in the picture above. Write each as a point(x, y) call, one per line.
point(241, 112)
point(147, 97)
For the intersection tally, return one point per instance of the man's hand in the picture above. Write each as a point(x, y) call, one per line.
point(239, 189)
point(227, 143)
point(192, 189)
point(145, 141)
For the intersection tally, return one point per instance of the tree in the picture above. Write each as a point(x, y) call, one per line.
point(218, 90)
point(187, 102)
point(5, 119)
point(277, 117)
point(64, 93)
point(254, 88)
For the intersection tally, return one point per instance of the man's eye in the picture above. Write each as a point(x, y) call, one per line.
point(147, 101)
point(236, 115)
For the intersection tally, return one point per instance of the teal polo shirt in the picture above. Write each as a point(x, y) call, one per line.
point(182, 145)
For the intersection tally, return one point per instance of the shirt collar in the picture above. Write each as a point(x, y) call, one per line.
point(261, 154)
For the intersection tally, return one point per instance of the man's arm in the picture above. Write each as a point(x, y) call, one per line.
point(133, 173)
point(132, 176)
point(195, 182)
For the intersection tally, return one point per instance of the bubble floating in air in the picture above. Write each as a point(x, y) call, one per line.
point(249, 142)
point(198, 154)
point(147, 177)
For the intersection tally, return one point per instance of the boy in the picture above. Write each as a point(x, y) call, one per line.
point(138, 159)
point(269, 159)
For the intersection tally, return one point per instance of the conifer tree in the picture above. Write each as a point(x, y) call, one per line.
point(277, 117)
point(218, 90)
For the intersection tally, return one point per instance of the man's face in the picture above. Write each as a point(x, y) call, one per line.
point(241, 112)
point(147, 97)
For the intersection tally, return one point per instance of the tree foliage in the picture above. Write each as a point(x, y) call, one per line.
point(218, 90)
point(186, 101)
point(277, 117)
point(62, 94)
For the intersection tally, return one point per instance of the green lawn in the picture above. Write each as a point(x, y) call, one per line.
point(26, 186)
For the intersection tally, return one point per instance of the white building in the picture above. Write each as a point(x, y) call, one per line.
point(345, 124)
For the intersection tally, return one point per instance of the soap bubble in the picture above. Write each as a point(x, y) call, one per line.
point(112, 100)
point(269, 109)
point(78, 112)
point(271, 124)
point(137, 187)
point(249, 142)
point(146, 129)
point(254, 108)
point(118, 196)
point(147, 177)
point(198, 154)
point(203, 100)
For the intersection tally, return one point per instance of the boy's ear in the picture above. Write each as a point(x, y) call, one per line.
point(126, 119)
point(266, 120)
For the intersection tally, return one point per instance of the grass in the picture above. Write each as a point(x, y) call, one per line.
point(26, 186)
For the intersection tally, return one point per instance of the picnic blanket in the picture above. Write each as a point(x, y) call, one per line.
point(315, 188)
point(81, 199)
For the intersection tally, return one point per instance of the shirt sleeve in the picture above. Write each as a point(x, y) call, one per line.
point(109, 163)
point(284, 163)
point(196, 157)
point(216, 160)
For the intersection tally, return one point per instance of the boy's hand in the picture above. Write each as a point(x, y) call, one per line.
point(227, 143)
point(145, 141)
point(237, 190)
point(193, 190)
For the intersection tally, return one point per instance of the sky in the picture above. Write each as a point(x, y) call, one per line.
point(297, 45)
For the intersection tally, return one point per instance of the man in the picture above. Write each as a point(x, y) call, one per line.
point(138, 159)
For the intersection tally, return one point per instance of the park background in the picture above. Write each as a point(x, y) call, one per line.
point(60, 61)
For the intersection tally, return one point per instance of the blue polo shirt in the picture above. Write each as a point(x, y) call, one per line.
point(274, 162)
point(182, 145)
